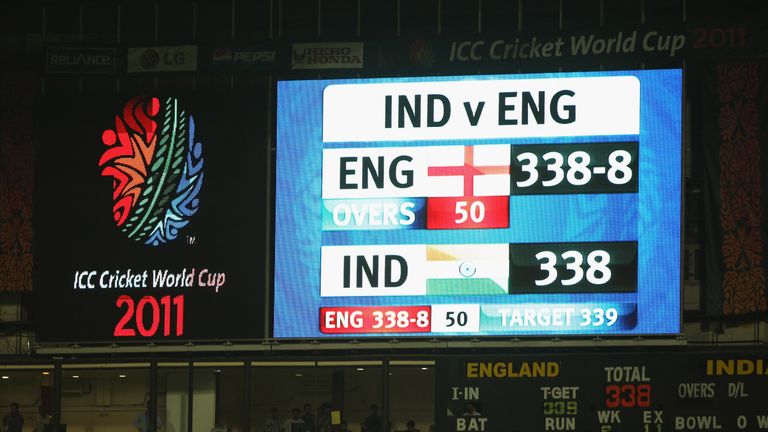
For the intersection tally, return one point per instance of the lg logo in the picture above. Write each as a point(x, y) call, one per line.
point(150, 58)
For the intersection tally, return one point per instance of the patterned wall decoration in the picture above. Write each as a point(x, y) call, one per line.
point(741, 194)
point(734, 133)
point(17, 137)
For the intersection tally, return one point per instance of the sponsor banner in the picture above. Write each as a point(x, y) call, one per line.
point(663, 45)
point(342, 55)
point(80, 60)
point(261, 57)
point(182, 58)
point(479, 109)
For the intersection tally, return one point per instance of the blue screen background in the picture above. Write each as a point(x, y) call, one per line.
point(652, 216)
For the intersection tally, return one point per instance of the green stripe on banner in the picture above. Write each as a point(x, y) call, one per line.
point(482, 286)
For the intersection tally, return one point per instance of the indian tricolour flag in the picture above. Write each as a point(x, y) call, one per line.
point(467, 269)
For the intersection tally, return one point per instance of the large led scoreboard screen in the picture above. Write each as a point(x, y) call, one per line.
point(542, 204)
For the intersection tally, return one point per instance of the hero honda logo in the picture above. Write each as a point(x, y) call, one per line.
point(156, 167)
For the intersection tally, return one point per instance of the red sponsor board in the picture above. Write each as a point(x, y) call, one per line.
point(468, 212)
point(375, 319)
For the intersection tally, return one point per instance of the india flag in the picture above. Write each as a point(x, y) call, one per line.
point(467, 269)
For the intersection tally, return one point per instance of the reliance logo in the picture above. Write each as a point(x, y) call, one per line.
point(156, 168)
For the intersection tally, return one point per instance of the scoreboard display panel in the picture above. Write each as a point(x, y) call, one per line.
point(651, 391)
point(538, 204)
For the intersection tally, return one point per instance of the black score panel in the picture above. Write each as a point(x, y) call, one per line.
point(604, 392)
point(149, 218)
point(603, 267)
point(609, 167)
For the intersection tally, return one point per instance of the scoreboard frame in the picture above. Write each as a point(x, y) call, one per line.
point(276, 333)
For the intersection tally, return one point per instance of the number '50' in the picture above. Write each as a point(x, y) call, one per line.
point(476, 212)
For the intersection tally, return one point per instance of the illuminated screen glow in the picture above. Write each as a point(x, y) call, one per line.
point(140, 232)
point(540, 204)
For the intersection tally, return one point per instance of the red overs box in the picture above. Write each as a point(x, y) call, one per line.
point(468, 212)
point(375, 319)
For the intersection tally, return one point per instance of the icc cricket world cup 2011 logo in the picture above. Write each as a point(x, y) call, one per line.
point(156, 166)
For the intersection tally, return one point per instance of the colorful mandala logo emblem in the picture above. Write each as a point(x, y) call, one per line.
point(156, 168)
